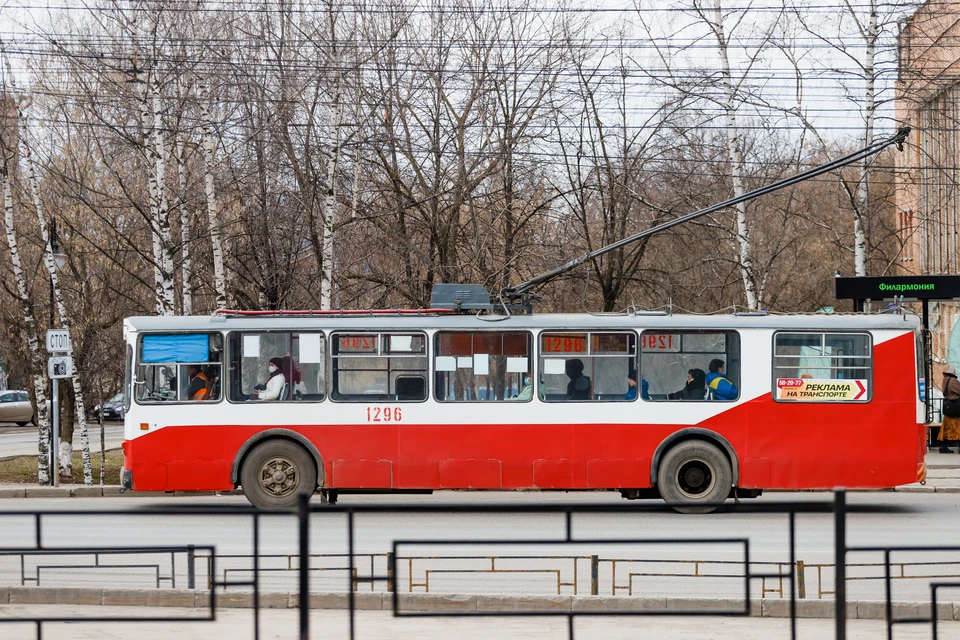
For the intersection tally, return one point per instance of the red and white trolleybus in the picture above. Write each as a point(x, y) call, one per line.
point(429, 400)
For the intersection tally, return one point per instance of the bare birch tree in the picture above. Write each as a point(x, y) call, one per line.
point(9, 151)
point(714, 19)
point(65, 453)
point(186, 267)
point(210, 191)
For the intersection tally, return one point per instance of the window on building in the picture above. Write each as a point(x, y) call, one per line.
point(822, 367)
point(299, 358)
point(588, 366)
point(370, 367)
point(169, 363)
point(676, 365)
point(487, 366)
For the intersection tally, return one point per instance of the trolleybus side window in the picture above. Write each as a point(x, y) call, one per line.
point(299, 357)
point(370, 367)
point(168, 362)
point(587, 366)
point(813, 366)
point(483, 366)
point(675, 365)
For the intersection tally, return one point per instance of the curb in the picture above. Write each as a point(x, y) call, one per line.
point(926, 489)
point(459, 603)
point(96, 491)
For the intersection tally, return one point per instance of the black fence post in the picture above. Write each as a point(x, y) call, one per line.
point(303, 517)
point(594, 575)
point(191, 567)
point(840, 561)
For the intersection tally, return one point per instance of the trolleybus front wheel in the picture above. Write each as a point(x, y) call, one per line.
point(694, 477)
point(275, 473)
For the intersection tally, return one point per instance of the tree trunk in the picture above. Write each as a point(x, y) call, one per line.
point(161, 208)
point(185, 267)
point(329, 204)
point(33, 341)
point(219, 272)
point(735, 159)
point(66, 429)
point(869, 110)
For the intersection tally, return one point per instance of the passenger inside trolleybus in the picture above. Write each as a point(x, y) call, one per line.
point(276, 383)
point(579, 387)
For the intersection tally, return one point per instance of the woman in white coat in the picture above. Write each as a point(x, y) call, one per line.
point(274, 386)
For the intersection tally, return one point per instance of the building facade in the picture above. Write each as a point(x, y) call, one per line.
point(928, 170)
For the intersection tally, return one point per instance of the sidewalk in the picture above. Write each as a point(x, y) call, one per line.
point(96, 491)
point(274, 623)
point(943, 474)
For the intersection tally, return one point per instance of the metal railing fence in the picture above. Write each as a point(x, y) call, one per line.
point(378, 571)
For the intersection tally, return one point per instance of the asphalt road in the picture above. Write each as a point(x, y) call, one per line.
point(22, 441)
point(882, 518)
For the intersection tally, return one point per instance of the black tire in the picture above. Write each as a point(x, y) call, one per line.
point(694, 476)
point(22, 424)
point(33, 421)
point(275, 472)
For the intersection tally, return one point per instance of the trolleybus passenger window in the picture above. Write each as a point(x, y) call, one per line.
point(675, 365)
point(301, 357)
point(588, 366)
point(370, 367)
point(168, 361)
point(812, 366)
point(483, 366)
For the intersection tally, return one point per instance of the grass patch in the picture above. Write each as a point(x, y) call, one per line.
point(23, 469)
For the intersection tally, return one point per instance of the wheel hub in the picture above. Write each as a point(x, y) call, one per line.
point(279, 476)
point(695, 478)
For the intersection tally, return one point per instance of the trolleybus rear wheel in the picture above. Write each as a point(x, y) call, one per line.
point(694, 476)
point(275, 473)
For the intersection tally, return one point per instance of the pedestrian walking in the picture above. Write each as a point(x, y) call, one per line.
point(950, 427)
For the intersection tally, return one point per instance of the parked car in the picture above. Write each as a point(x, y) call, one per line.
point(15, 407)
point(112, 409)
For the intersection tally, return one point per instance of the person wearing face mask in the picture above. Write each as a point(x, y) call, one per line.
point(526, 393)
point(274, 386)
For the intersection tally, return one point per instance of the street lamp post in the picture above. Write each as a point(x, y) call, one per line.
point(58, 261)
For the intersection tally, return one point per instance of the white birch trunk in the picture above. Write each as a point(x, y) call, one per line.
point(329, 206)
point(152, 189)
point(869, 110)
point(735, 159)
point(66, 447)
point(165, 287)
point(33, 340)
point(185, 266)
point(216, 237)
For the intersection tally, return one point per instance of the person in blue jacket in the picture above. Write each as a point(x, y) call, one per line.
point(722, 388)
point(632, 387)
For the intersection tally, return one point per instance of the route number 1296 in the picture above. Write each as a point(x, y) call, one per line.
point(384, 414)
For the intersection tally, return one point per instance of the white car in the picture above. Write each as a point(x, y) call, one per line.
point(15, 407)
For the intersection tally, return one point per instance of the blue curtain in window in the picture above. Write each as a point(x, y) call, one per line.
point(181, 347)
